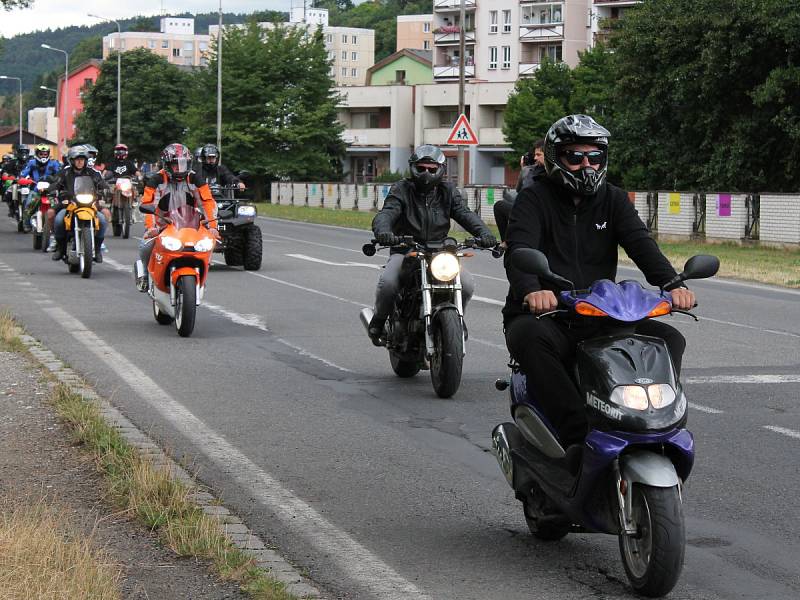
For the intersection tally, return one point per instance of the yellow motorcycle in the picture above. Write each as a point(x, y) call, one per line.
point(81, 223)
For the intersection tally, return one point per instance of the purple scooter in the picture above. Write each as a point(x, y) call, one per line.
point(627, 480)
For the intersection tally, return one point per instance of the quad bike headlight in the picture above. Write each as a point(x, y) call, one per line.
point(172, 244)
point(444, 267)
point(84, 199)
point(246, 211)
point(204, 245)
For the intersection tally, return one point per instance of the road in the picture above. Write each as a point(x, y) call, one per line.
point(375, 486)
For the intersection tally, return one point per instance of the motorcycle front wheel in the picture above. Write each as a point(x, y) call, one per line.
point(653, 558)
point(116, 224)
point(185, 305)
point(448, 353)
point(87, 255)
point(126, 221)
point(45, 234)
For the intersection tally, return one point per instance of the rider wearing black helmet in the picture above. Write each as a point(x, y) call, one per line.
point(578, 221)
point(121, 165)
point(421, 206)
point(214, 173)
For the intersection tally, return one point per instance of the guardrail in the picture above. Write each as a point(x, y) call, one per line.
point(769, 218)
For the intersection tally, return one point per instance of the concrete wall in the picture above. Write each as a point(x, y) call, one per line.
point(780, 218)
point(726, 215)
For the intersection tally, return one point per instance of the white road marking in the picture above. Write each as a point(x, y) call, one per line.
point(350, 556)
point(304, 352)
point(783, 431)
point(334, 264)
point(745, 379)
point(743, 326)
point(706, 409)
point(491, 301)
point(309, 290)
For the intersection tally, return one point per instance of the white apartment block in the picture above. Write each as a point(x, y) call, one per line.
point(177, 42)
point(42, 122)
point(351, 49)
point(506, 39)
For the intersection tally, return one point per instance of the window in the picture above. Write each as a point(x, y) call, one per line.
point(203, 46)
point(329, 38)
point(176, 52)
point(447, 118)
point(188, 47)
point(331, 54)
point(506, 21)
point(344, 54)
point(552, 52)
point(499, 118)
point(400, 76)
point(426, 45)
point(354, 56)
point(492, 58)
point(426, 28)
point(344, 71)
point(545, 14)
point(492, 21)
point(506, 57)
point(344, 39)
point(365, 120)
point(151, 44)
point(165, 43)
point(353, 72)
point(355, 40)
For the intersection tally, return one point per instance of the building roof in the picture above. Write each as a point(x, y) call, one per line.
point(10, 135)
point(424, 57)
point(92, 62)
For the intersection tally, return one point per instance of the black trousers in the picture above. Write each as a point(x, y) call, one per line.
point(545, 347)
point(502, 212)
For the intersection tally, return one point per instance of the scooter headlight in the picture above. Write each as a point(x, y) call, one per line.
point(661, 395)
point(444, 267)
point(84, 199)
point(246, 211)
point(204, 245)
point(172, 244)
point(630, 396)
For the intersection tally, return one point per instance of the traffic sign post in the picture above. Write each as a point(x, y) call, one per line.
point(462, 133)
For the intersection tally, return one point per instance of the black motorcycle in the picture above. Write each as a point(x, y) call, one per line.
point(241, 238)
point(426, 328)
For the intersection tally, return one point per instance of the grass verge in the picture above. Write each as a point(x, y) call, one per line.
point(152, 495)
point(777, 266)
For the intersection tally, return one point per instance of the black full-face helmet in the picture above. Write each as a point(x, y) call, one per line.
point(576, 129)
point(22, 152)
point(177, 161)
point(424, 177)
point(210, 151)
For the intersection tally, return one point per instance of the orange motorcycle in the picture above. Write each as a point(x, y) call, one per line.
point(178, 267)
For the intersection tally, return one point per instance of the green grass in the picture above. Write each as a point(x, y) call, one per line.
point(778, 266)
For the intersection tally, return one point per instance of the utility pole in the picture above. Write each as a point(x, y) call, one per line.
point(462, 175)
point(219, 86)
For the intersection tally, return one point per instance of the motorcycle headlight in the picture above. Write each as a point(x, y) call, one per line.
point(444, 267)
point(661, 395)
point(246, 211)
point(84, 198)
point(42, 186)
point(630, 396)
point(124, 185)
point(204, 245)
point(24, 191)
point(170, 243)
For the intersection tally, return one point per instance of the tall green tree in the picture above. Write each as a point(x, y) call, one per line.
point(279, 106)
point(154, 95)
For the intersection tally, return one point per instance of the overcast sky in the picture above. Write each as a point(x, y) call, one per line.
point(52, 14)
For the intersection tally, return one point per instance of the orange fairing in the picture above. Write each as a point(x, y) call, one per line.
point(167, 265)
point(663, 308)
point(588, 310)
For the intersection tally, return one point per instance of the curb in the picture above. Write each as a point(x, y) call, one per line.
point(230, 525)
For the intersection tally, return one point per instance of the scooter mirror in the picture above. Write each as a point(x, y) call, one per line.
point(701, 266)
point(148, 209)
point(535, 262)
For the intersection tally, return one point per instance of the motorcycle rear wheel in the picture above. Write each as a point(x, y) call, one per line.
point(185, 305)
point(37, 240)
point(161, 318)
point(653, 559)
point(448, 353)
point(403, 368)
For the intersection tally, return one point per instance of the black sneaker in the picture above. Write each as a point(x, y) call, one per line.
point(98, 256)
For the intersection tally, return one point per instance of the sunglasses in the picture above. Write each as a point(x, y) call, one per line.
point(575, 157)
point(428, 169)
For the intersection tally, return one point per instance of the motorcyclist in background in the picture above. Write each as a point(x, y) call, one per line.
point(214, 173)
point(5, 171)
point(40, 168)
point(64, 186)
point(173, 186)
point(14, 168)
point(421, 206)
point(121, 165)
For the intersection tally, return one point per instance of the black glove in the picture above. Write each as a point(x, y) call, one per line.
point(487, 240)
point(387, 238)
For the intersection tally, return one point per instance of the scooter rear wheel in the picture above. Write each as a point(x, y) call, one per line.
point(653, 559)
point(539, 527)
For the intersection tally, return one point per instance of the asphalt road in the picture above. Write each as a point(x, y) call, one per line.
point(373, 484)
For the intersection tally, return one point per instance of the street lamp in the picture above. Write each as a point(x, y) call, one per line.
point(44, 87)
point(119, 71)
point(20, 104)
point(66, 92)
point(219, 86)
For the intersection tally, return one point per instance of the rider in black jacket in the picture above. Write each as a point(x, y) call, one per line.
point(214, 173)
point(578, 221)
point(420, 206)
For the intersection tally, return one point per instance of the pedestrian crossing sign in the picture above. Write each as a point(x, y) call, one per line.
point(462, 134)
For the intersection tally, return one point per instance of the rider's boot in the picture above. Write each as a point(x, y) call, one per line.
point(377, 331)
point(140, 275)
point(59, 251)
point(98, 251)
point(51, 247)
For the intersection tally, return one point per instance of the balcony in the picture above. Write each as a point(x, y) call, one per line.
point(537, 32)
point(616, 2)
point(452, 72)
point(491, 136)
point(367, 137)
point(436, 136)
point(451, 34)
point(528, 68)
point(452, 5)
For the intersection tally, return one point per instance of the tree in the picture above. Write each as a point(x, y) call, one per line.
point(279, 108)
point(144, 24)
point(11, 4)
point(88, 48)
point(154, 95)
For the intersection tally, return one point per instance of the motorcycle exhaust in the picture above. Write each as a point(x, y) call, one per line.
point(366, 315)
point(505, 438)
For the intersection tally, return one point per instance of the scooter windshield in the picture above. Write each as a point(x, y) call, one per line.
point(185, 217)
point(625, 301)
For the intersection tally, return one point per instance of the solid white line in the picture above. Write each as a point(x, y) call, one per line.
point(745, 379)
point(783, 431)
point(351, 557)
point(705, 409)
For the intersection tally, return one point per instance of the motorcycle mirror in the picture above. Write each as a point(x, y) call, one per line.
point(244, 174)
point(368, 249)
point(700, 266)
point(535, 262)
point(148, 209)
point(450, 244)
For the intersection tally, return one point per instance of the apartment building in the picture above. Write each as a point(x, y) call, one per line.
point(604, 13)
point(176, 41)
point(350, 49)
point(506, 39)
point(415, 32)
point(42, 122)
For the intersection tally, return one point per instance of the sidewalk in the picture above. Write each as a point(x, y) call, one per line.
point(38, 460)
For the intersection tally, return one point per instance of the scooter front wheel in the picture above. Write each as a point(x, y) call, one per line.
point(653, 558)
